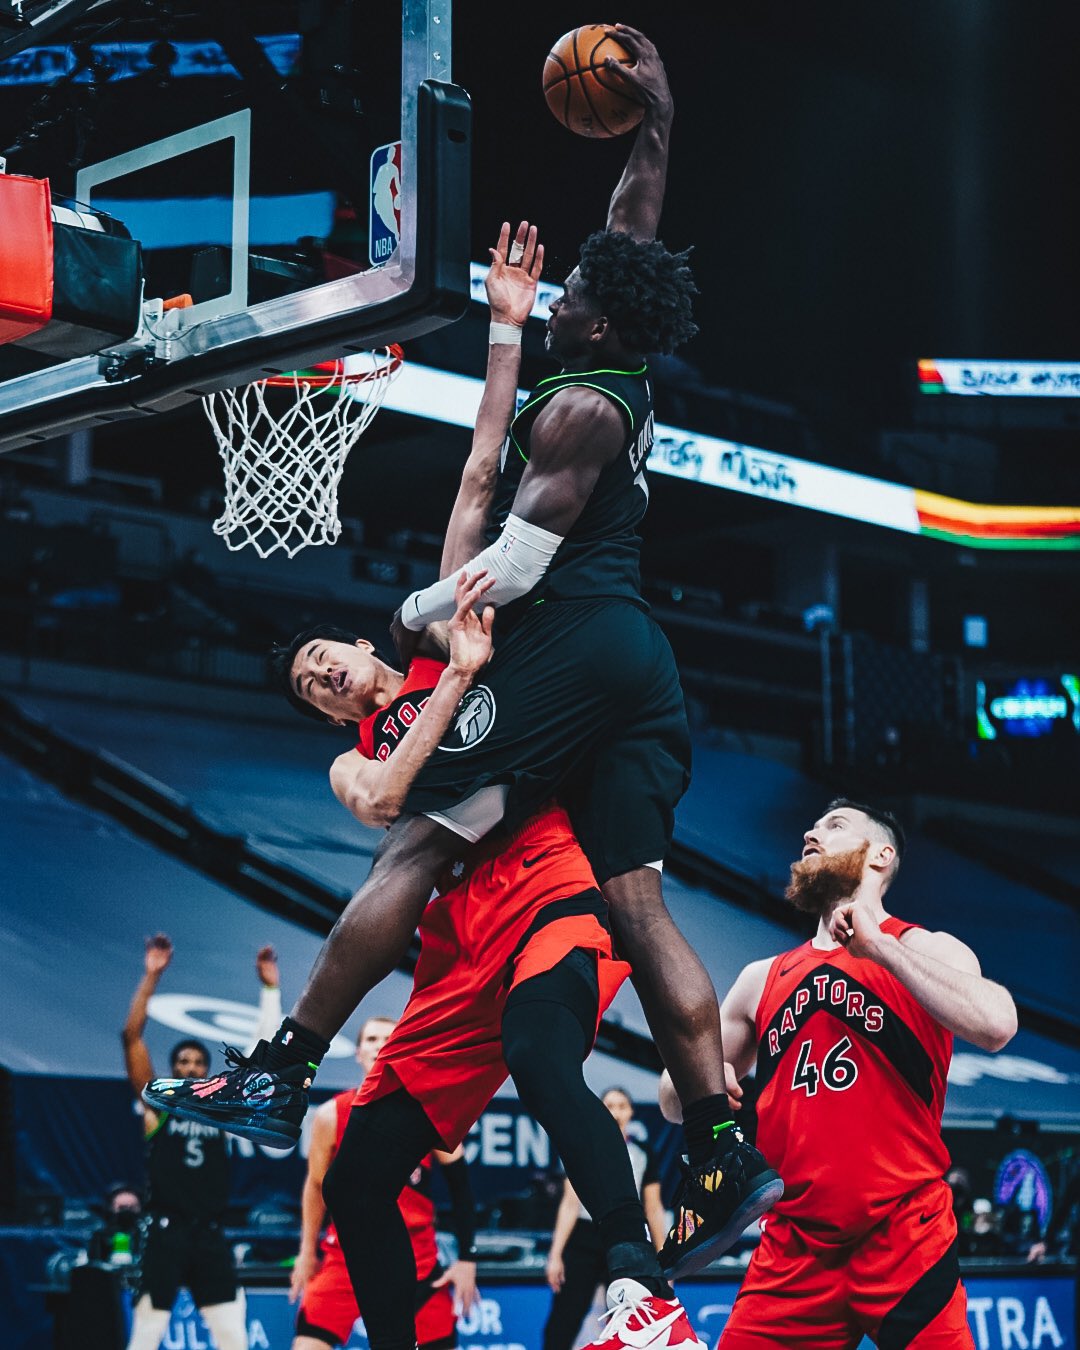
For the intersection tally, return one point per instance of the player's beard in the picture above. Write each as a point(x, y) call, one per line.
point(822, 880)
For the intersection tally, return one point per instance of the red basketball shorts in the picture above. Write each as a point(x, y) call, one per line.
point(329, 1305)
point(899, 1285)
point(513, 916)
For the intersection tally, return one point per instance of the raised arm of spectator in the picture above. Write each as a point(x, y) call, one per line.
point(312, 1205)
point(156, 957)
point(266, 967)
point(511, 291)
point(639, 196)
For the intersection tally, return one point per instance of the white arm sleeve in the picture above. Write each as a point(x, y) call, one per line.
point(517, 560)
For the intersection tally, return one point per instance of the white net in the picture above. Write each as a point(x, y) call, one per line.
point(284, 443)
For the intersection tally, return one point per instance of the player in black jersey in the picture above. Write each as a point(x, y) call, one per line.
point(582, 695)
point(188, 1176)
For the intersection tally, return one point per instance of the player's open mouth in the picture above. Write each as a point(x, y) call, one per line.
point(811, 848)
point(340, 681)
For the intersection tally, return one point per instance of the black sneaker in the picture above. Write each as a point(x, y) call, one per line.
point(262, 1104)
point(716, 1202)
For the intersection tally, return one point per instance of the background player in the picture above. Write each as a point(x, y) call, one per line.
point(576, 1261)
point(188, 1178)
point(328, 1306)
point(852, 1033)
point(554, 703)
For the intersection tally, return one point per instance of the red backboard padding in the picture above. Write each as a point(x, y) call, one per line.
point(26, 256)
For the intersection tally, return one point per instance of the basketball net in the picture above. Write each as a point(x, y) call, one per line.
point(284, 442)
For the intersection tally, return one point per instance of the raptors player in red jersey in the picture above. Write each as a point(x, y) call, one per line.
point(328, 1306)
point(852, 1035)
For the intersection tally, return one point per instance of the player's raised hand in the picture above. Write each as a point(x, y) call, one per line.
point(855, 926)
point(470, 633)
point(646, 80)
point(158, 954)
point(515, 269)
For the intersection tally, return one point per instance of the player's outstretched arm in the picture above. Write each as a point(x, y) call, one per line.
point(375, 790)
point(312, 1205)
point(571, 441)
point(942, 972)
point(511, 290)
point(462, 1274)
point(639, 196)
point(140, 1070)
point(565, 1219)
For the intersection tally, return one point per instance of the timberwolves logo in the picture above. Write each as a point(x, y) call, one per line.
point(473, 720)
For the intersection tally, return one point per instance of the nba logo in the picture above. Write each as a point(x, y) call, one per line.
point(384, 215)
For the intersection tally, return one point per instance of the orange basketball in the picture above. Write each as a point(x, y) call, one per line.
point(581, 91)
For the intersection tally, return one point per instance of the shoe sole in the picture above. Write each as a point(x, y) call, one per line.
point(757, 1203)
point(273, 1134)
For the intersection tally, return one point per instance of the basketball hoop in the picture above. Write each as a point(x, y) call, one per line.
point(284, 441)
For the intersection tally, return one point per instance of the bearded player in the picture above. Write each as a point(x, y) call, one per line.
point(852, 1034)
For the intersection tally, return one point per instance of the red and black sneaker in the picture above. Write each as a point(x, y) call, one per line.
point(259, 1103)
point(716, 1202)
point(638, 1320)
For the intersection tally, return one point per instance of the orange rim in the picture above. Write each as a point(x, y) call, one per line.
point(332, 374)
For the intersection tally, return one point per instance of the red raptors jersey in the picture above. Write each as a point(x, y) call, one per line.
point(380, 733)
point(415, 1202)
point(851, 1076)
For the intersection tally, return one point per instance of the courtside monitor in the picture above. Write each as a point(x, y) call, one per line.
point(197, 200)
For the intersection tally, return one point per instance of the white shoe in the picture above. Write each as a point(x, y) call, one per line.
point(638, 1320)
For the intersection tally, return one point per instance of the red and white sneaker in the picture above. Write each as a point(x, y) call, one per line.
point(643, 1321)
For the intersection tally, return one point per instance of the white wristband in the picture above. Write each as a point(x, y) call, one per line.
point(506, 333)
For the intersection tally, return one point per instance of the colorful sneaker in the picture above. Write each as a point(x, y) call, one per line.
point(716, 1202)
point(263, 1104)
point(639, 1320)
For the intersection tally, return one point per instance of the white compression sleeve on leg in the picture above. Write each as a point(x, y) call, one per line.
point(517, 560)
point(227, 1323)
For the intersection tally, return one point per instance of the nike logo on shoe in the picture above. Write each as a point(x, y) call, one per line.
point(644, 1321)
point(531, 862)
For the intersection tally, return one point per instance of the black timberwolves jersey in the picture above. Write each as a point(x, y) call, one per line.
point(600, 557)
point(188, 1169)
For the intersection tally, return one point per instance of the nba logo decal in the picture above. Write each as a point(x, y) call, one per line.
point(384, 214)
point(474, 719)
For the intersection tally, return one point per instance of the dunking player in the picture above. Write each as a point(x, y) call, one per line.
point(328, 1307)
point(852, 1033)
point(583, 685)
point(515, 969)
point(188, 1173)
point(516, 960)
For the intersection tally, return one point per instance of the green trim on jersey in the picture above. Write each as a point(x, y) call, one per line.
point(573, 383)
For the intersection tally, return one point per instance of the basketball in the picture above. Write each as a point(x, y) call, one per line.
point(581, 91)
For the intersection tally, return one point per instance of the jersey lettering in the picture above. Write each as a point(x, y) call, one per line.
point(838, 1071)
point(639, 451)
point(832, 991)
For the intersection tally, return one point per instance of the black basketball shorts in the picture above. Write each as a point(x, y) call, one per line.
point(189, 1253)
point(581, 699)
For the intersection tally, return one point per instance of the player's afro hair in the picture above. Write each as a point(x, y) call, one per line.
point(644, 291)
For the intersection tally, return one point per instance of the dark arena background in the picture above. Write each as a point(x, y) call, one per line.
point(863, 542)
